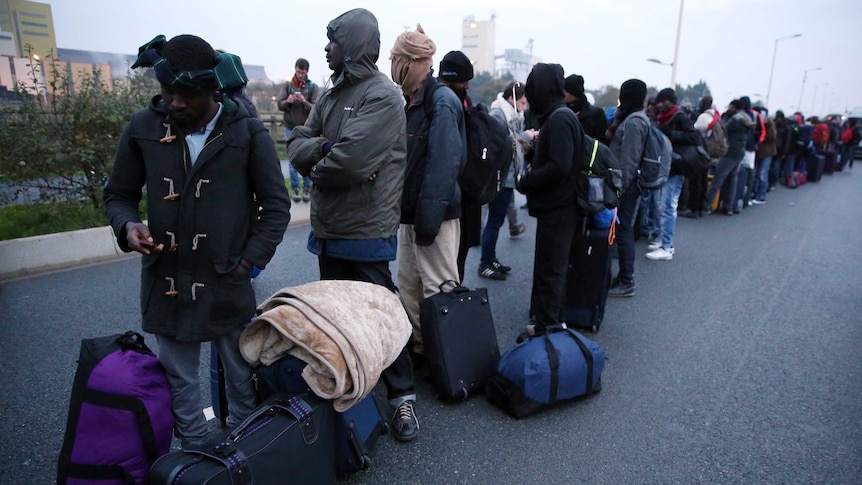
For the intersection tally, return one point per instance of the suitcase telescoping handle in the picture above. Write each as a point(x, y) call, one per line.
point(457, 288)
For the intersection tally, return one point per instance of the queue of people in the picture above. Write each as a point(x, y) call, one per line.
point(379, 160)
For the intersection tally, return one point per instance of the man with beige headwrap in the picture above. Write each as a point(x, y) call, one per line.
point(429, 236)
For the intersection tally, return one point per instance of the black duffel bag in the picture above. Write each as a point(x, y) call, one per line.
point(287, 439)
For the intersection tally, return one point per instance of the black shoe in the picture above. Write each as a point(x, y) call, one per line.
point(488, 271)
point(687, 213)
point(620, 288)
point(500, 267)
point(517, 230)
point(405, 425)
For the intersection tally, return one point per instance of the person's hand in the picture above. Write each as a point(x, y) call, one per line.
point(298, 97)
point(243, 269)
point(533, 133)
point(519, 185)
point(139, 238)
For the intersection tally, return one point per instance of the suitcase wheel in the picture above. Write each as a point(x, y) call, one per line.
point(365, 462)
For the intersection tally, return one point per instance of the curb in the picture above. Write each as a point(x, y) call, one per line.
point(49, 253)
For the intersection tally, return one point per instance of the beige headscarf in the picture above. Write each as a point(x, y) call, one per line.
point(411, 59)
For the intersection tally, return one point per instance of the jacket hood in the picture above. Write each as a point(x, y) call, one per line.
point(358, 35)
point(544, 88)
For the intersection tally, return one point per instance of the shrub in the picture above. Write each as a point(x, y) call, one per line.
point(59, 144)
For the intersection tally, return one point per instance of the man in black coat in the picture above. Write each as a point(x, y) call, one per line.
point(550, 190)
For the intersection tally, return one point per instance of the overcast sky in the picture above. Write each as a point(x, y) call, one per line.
point(727, 43)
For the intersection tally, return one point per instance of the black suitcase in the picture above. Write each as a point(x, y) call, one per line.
point(218, 390)
point(288, 439)
point(356, 430)
point(815, 167)
point(460, 341)
point(588, 280)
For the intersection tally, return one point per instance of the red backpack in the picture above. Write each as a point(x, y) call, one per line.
point(820, 137)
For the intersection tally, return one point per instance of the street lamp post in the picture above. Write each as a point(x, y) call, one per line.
point(675, 49)
point(772, 70)
point(805, 78)
point(665, 64)
point(814, 98)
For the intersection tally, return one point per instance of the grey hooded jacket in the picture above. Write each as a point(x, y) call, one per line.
point(363, 116)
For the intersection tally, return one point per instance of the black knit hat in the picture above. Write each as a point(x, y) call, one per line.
point(574, 85)
point(666, 94)
point(456, 67)
point(633, 93)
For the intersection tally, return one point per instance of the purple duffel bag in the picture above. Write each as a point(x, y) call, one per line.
point(120, 416)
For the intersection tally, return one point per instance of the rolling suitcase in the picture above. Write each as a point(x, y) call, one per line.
point(287, 439)
point(356, 430)
point(815, 167)
point(459, 339)
point(218, 390)
point(830, 162)
point(588, 280)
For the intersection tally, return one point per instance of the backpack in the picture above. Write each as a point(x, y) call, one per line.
point(656, 159)
point(120, 418)
point(716, 139)
point(489, 151)
point(803, 138)
point(820, 137)
point(601, 184)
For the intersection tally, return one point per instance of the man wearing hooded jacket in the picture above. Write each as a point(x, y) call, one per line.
point(353, 147)
point(550, 189)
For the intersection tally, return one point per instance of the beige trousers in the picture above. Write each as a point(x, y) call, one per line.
point(421, 269)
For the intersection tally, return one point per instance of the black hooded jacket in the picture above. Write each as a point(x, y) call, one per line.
point(550, 183)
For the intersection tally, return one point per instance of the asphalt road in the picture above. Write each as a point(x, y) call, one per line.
point(737, 362)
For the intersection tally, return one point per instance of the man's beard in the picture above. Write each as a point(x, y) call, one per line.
point(461, 93)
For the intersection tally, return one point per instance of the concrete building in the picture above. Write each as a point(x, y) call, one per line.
point(477, 43)
point(30, 23)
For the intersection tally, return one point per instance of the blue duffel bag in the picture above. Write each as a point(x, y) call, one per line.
point(556, 365)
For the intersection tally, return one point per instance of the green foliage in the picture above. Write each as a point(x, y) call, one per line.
point(59, 142)
point(25, 220)
point(486, 93)
point(606, 97)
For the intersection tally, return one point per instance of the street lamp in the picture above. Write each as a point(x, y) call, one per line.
point(805, 78)
point(675, 49)
point(664, 64)
point(772, 70)
point(814, 98)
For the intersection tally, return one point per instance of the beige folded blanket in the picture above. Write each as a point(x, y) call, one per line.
point(347, 331)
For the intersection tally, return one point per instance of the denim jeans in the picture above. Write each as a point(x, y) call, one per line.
point(670, 199)
point(294, 175)
point(761, 183)
point(650, 214)
point(497, 210)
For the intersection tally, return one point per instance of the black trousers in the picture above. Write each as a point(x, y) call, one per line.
point(555, 234)
point(398, 377)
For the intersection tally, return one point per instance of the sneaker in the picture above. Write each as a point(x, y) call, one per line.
point(306, 194)
point(517, 230)
point(500, 267)
point(654, 245)
point(405, 425)
point(488, 271)
point(660, 254)
point(758, 201)
point(620, 288)
point(295, 194)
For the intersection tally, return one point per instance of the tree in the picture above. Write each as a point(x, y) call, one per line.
point(607, 96)
point(61, 144)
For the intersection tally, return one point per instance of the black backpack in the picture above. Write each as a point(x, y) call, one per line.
point(600, 186)
point(489, 151)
